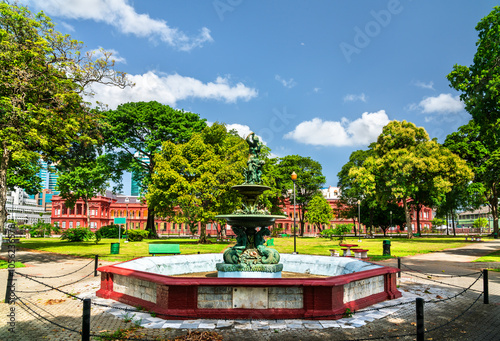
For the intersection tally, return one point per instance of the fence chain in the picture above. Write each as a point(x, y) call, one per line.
point(70, 273)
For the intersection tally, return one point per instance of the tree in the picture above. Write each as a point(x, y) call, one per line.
point(136, 131)
point(480, 223)
point(406, 163)
point(192, 181)
point(42, 76)
point(309, 181)
point(471, 144)
point(85, 181)
point(350, 190)
point(319, 212)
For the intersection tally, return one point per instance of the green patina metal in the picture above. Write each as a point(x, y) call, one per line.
point(250, 252)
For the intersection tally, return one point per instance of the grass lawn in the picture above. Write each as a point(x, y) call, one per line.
point(400, 247)
point(492, 257)
point(4, 264)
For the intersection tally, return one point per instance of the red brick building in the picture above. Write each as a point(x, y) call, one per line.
point(104, 208)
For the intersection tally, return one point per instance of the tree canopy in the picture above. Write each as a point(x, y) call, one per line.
point(309, 181)
point(319, 212)
point(406, 166)
point(42, 77)
point(134, 132)
point(192, 181)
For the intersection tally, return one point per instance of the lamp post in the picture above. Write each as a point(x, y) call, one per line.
point(126, 214)
point(359, 216)
point(294, 178)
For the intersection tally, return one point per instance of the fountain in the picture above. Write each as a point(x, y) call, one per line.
point(249, 281)
point(250, 258)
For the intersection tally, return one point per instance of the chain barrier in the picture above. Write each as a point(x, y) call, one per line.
point(31, 312)
point(456, 317)
point(449, 284)
point(51, 287)
point(70, 273)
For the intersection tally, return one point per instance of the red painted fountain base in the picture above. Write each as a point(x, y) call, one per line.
point(248, 298)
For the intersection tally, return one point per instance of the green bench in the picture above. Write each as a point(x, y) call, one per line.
point(164, 249)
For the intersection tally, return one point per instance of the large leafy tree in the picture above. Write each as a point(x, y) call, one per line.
point(483, 158)
point(319, 212)
point(406, 163)
point(479, 83)
point(135, 133)
point(351, 191)
point(479, 87)
point(192, 181)
point(309, 181)
point(42, 76)
point(86, 180)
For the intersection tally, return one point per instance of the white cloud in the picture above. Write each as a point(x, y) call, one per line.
point(286, 83)
point(341, 133)
point(316, 89)
point(120, 14)
point(423, 85)
point(243, 130)
point(169, 89)
point(444, 103)
point(353, 97)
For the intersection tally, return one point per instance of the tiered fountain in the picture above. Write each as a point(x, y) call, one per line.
point(251, 283)
point(250, 258)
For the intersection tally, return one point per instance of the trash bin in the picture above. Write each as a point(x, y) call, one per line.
point(387, 247)
point(495, 235)
point(115, 248)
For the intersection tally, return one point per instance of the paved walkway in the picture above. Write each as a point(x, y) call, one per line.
point(420, 279)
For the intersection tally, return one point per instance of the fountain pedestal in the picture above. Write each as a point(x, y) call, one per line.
point(250, 257)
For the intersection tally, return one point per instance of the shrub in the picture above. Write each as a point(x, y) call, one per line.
point(77, 234)
point(110, 231)
point(137, 235)
point(98, 236)
point(41, 229)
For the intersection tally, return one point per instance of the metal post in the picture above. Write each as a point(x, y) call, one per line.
point(294, 223)
point(420, 319)
point(96, 264)
point(86, 320)
point(359, 217)
point(399, 267)
point(486, 294)
point(8, 292)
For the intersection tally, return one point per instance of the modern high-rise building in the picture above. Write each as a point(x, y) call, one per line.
point(48, 178)
point(135, 185)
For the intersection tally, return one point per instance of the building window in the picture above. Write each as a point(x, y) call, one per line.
point(77, 224)
point(70, 224)
point(63, 224)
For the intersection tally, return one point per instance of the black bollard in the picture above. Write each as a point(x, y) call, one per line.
point(86, 320)
point(486, 299)
point(420, 319)
point(96, 264)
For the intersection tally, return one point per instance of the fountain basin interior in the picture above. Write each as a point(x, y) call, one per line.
point(148, 282)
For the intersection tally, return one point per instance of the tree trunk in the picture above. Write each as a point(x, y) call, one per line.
point(408, 219)
point(494, 212)
point(418, 208)
point(4, 164)
point(203, 234)
point(354, 223)
point(150, 225)
point(453, 223)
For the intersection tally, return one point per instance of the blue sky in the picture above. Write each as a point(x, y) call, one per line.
point(314, 78)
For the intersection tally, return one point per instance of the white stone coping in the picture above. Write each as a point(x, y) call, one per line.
point(308, 264)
